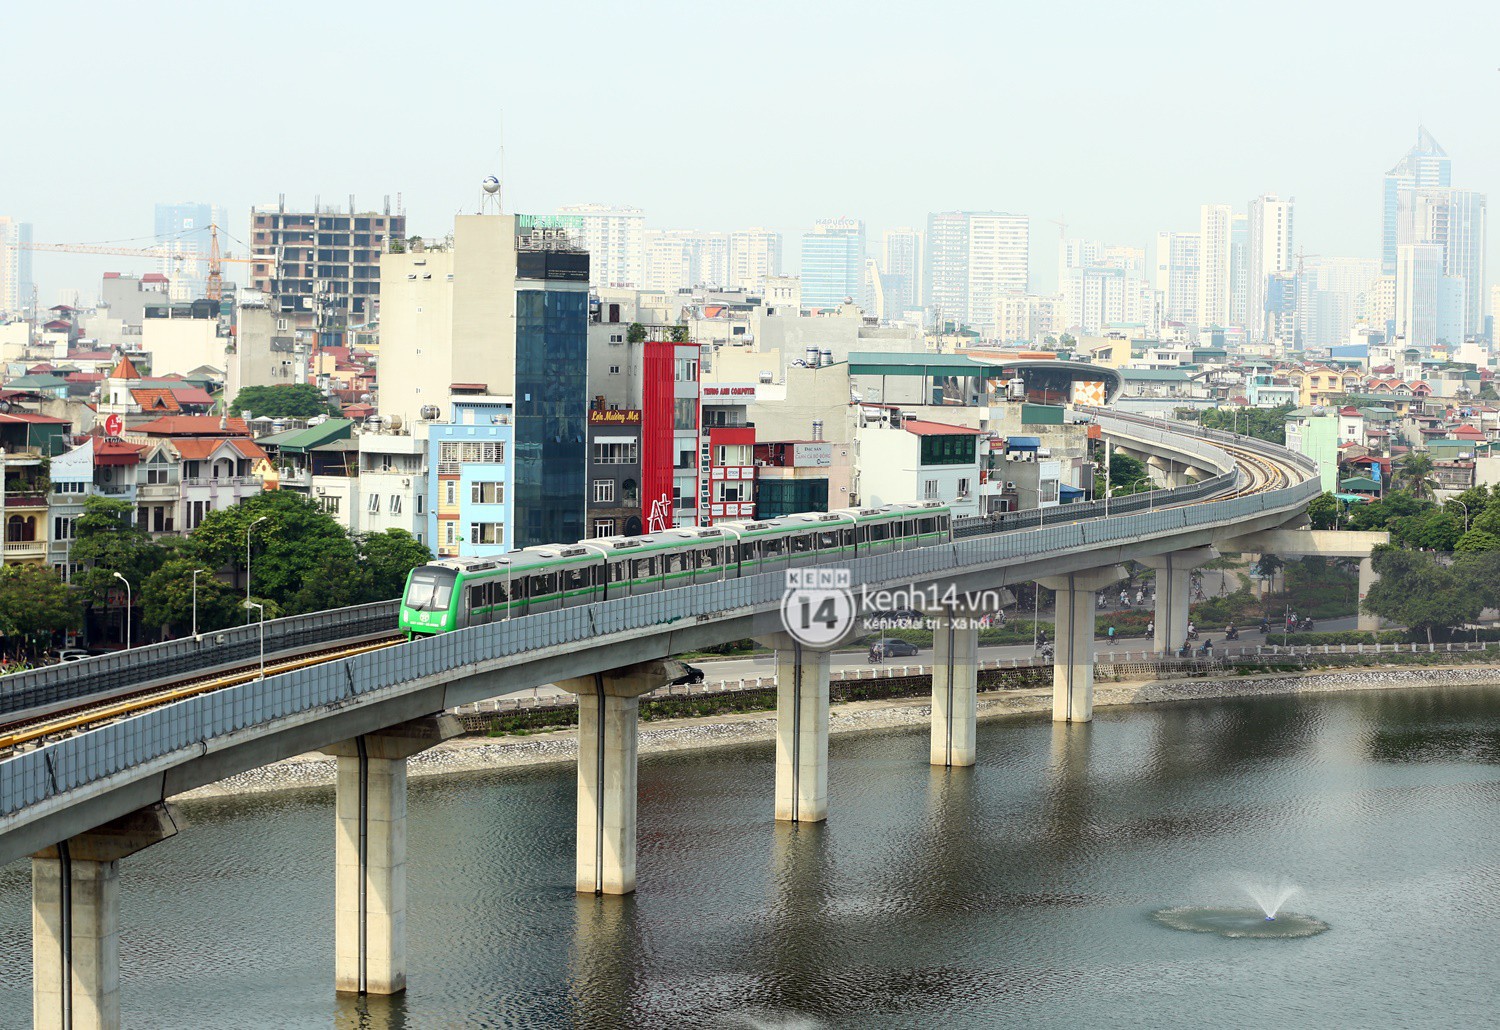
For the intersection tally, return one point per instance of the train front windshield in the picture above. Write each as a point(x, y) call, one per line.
point(430, 589)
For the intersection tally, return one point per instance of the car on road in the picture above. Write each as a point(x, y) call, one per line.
point(693, 675)
point(71, 654)
point(896, 648)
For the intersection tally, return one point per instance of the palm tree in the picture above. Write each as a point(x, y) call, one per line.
point(1415, 474)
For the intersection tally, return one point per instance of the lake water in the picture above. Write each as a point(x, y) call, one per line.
point(1018, 893)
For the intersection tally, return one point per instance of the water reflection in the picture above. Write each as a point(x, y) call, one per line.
point(370, 1012)
point(603, 964)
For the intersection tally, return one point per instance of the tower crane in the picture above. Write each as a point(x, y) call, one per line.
point(216, 260)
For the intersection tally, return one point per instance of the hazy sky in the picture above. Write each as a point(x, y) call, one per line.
point(1122, 116)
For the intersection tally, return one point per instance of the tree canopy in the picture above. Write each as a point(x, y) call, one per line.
point(1261, 423)
point(1419, 591)
point(290, 400)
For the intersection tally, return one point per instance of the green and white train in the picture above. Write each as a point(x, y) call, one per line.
point(457, 592)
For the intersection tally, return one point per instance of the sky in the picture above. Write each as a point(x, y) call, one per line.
point(1119, 119)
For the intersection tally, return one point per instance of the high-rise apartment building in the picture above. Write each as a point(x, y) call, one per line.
point(1215, 255)
point(183, 230)
point(1178, 261)
point(15, 266)
point(1425, 166)
point(946, 270)
point(1270, 252)
point(1453, 219)
point(1334, 295)
point(999, 262)
point(901, 265)
point(1419, 275)
point(1105, 287)
point(1239, 269)
point(615, 238)
point(321, 267)
point(833, 263)
point(499, 319)
point(754, 257)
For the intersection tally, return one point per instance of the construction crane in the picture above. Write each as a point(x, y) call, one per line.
point(216, 260)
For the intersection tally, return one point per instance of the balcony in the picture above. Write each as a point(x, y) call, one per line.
point(25, 500)
point(25, 549)
point(115, 489)
point(157, 491)
point(225, 481)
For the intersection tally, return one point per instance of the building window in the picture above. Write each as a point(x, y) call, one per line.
point(62, 527)
point(687, 370)
point(374, 506)
point(614, 370)
point(604, 527)
point(615, 453)
point(156, 475)
point(329, 504)
point(450, 532)
point(929, 489)
point(486, 532)
point(395, 504)
point(963, 488)
point(685, 413)
point(450, 492)
point(604, 491)
point(487, 493)
point(1048, 491)
point(420, 499)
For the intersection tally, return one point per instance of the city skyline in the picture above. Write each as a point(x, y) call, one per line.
point(1086, 165)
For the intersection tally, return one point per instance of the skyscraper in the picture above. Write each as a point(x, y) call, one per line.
point(1239, 263)
point(1425, 166)
point(183, 229)
point(902, 265)
point(1215, 287)
point(754, 256)
point(1419, 274)
point(1453, 219)
point(615, 238)
point(946, 271)
point(999, 262)
point(1270, 252)
point(833, 263)
point(1178, 261)
point(15, 266)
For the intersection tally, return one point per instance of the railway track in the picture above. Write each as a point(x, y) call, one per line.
point(1258, 473)
point(19, 734)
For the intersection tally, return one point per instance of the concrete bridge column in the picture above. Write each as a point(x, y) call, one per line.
point(955, 687)
point(1366, 623)
point(1073, 666)
point(75, 921)
point(370, 853)
point(801, 730)
point(608, 720)
point(1174, 588)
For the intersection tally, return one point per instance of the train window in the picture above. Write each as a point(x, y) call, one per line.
point(802, 542)
point(879, 531)
point(479, 596)
point(747, 551)
point(942, 523)
point(576, 578)
point(500, 592)
point(617, 571)
point(925, 526)
point(672, 562)
point(863, 533)
point(642, 568)
point(544, 584)
point(846, 537)
point(431, 589)
point(828, 541)
point(771, 548)
point(708, 558)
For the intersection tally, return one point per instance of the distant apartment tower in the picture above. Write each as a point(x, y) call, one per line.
point(615, 238)
point(754, 257)
point(15, 266)
point(1425, 166)
point(833, 263)
point(901, 266)
point(1270, 252)
point(999, 262)
point(1178, 264)
point(321, 267)
point(1453, 219)
point(183, 230)
point(1419, 287)
point(946, 270)
point(1239, 265)
point(1215, 256)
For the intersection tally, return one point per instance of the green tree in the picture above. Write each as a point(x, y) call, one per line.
point(1434, 530)
point(107, 540)
point(1261, 423)
point(289, 549)
point(387, 558)
point(34, 604)
point(167, 598)
point(1419, 592)
point(1478, 540)
point(338, 581)
point(292, 400)
point(1323, 511)
point(1414, 474)
point(1378, 515)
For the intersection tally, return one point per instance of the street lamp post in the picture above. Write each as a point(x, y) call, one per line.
point(195, 601)
point(1465, 507)
point(262, 610)
point(247, 562)
point(128, 604)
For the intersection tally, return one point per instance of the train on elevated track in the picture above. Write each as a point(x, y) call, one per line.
point(458, 592)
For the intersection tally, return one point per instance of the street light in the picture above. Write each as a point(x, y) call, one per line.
point(195, 601)
point(1150, 491)
point(262, 609)
point(128, 605)
point(247, 562)
point(1465, 507)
